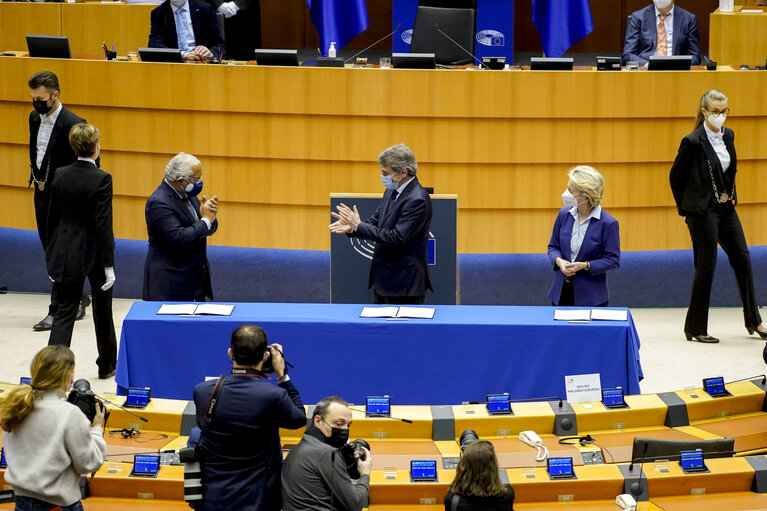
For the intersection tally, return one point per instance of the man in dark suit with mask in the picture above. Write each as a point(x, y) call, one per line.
point(49, 149)
point(188, 25)
point(178, 224)
point(661, 29)
point(399, 228)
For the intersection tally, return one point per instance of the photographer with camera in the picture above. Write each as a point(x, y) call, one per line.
point(48, 442)
point(240, 416)
point(316, 474)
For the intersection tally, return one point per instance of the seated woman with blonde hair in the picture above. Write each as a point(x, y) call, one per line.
point(477, 484)
point(48, 442)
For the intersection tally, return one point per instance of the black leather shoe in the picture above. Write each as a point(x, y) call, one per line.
point(764, 353)
point(107, 375)
point(84, 303)
point(45, 324)
point(701, 338)
point(763, 335)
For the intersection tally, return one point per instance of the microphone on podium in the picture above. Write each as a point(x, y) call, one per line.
point(368, 47)
point(481, 64)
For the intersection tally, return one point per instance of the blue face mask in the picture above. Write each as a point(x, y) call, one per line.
point(193, 189)
point(388, 183)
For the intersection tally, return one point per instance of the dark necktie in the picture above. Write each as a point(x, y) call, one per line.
point(191, 208)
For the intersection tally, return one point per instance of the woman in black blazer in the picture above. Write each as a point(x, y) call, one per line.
point(703, 183)
point(477, 485)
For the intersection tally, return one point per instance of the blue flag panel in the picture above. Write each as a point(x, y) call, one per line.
point(561, 24)
point(338, 21)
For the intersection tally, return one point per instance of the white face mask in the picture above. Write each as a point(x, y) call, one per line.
point(662, 4)
point(388, 183)
point(568, 199)
point(716, 120)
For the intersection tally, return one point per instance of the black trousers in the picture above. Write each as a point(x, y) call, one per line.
point(567, 295)
point(719, 224)
point(68, 296)
point(399, 300)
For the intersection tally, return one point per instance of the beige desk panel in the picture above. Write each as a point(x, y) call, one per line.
point(88, 25)
point(738, 38)
point(275, 142)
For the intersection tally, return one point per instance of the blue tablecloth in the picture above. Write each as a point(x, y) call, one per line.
point(462, 354)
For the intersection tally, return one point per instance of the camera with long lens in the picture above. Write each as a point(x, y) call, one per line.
point(467, 437)
point(348, 452)
point(83, 397)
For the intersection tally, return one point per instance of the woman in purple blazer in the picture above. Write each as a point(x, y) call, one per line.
point(582, 251)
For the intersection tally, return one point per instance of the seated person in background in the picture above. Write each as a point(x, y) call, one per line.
point(188, 25)
point(477, 485)
point(314, 475)
point(661, 29)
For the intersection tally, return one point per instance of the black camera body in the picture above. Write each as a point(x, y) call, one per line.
point(348, 452)
point(83, 397)
point(267, 367)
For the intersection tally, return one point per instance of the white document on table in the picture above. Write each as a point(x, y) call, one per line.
point(572, 314)
point(177, 308)
point(583, 388)
point(193, 309)
point(416, 312)
point(379, 312)
point(609, 315)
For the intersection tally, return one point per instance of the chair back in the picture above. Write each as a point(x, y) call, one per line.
point(459, 24)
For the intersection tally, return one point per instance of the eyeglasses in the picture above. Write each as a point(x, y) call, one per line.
point(726, 111)
point(193, 181)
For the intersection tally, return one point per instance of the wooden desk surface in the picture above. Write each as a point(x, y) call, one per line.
point(619, 444)
point(485, 136)
point(644, 410)
point(113, 480)
point(738, 37)
point(730, 501)
point(746, 398)
point(726, 475)
point(750, 432)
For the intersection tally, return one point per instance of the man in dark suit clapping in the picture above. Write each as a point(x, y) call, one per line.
point(49, 149)
point(178, 225)
point(399, 228)
point(81, 244)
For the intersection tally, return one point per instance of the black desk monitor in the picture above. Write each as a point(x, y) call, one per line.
point(714, 387)
point(613, 398)
point(423, 471)
point(378, 406)
point(48, 46)
point(692, 462)
point(276, 57)
point(670, 63)
point(138, 398)
point(560, 468)
point(546, 64)
point(145, 465)
point(498, 404)
point(160, 55)
point(608, 63)
point(413, 60)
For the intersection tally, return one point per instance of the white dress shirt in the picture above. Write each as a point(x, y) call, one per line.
point(717, 142)
point(579, 230)
point(184, 29)
point(47, 122)
point(401, 189)
point(669, 23)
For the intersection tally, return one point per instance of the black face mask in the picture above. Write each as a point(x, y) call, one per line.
point(338, 438)
point(41, 106)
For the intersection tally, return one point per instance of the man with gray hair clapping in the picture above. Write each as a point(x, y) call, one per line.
point(178, 224)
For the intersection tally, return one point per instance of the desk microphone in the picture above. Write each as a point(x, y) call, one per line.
point(122, 408)
point(526, 400)
point(481, 64)
point(764, 379)
point(635, 489)
point(366, 49)
point(381, 416)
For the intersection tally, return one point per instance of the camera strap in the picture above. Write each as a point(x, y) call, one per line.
point(212, 403)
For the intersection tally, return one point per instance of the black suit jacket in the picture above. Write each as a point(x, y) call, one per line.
point(242, 457)
point(642, 35)
point(58, 153)
point(401, 235)
point(690, 177)
point(162, 32)
point(176, 267)
point(79, 222)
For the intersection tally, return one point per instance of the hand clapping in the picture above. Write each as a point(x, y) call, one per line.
point(347, 219)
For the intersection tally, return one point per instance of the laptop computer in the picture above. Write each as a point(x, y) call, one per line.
point(714, 387)
point(498, 404)
point(377, 406)
point(692, 462)
point(49, 46)
point(613, 398)
point(423, 471)
point(145, 465)
point(560, 468)
point(138, 398)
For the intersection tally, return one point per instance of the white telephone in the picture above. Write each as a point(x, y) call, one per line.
point(532, 439)
point(626, 502)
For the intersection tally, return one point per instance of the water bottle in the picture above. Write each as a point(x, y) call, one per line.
point(332, 50)
point(726, 5)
